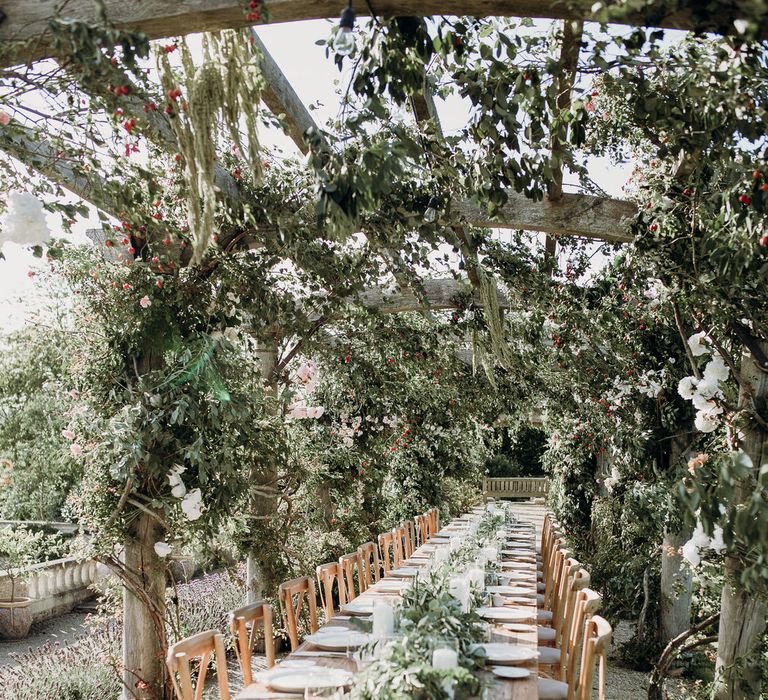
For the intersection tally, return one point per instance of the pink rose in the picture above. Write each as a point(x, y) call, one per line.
point(68, 434)
point(75, 449)
point(5, 118)
point(145, 302)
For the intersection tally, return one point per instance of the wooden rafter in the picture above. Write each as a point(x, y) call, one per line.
point(160, 18)
point(583, 215)
point(281, 98)
point(34, 151)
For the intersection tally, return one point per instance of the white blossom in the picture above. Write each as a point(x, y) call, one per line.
point(174, 479)
point(691, 553)
point(687, 387)
point(192, 504)
point(717, 543)
point(716, 370)
point(699, 344)
point(24, 220)
point(162, 549)
point(706, 422)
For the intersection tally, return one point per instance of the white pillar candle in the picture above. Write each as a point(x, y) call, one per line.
point(459, 589)
point(383, 619)
point(441, 555)
point(445, 658)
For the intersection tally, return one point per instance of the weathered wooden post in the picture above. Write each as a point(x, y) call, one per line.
point(738, 671)
point(263, 481)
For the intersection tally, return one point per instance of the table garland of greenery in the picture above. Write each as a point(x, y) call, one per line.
point(429, 616)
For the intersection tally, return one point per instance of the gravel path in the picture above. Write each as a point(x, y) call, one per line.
point(62, 629)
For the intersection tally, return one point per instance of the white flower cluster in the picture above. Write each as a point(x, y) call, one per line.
point(704, 392)
point(192, 501)
point(613, 479)
point(700, 540)
point(649, 383)
point(306, 377)
point(24, 221)
point(347, 431)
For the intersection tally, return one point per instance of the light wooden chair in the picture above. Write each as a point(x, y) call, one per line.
point(369, 554)
point(433, 521)
point(563, 659)
point(597, 639)
point(410, 537)
point(327, 575)
point(422, 529)
point(387, 544)
point(578, 579)
point(301, 588)
point(205, 646)
point(350, 564)
point(399, 549)
point(254, 615)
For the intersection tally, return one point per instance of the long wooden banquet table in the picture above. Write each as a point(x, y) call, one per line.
point(500, 689)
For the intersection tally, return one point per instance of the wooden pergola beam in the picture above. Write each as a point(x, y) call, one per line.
point(281, 98)
point(582, 215)
point(27, 20)
point(35, 152)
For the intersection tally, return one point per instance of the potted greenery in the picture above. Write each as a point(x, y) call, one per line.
point(19, 548)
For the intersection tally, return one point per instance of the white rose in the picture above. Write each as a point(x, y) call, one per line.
point(699, 344)
point(691, 553)
point(24, 220)
point(706, 421)
point(162, 549)
point(192, 504)
point(716, 370)
point(687, 387)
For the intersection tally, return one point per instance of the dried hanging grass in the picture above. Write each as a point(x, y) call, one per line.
point(221, 93)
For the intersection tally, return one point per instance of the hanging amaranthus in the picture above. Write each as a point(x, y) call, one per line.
point(223, 92)
point(494, 320)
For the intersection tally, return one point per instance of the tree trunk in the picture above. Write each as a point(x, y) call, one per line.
point(676, 586)
point(264, 479)
point(676, 579)
point(742, 616)
point(144, 640)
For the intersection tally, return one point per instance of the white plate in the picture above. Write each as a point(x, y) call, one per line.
point(500, 653)
point(512, 576)
point(519, 627)
point(358, 607)
point(338, 639)
point(510, 672)
point(512, 590)
point(318, 677)
point(404, 572)
point(506, 614)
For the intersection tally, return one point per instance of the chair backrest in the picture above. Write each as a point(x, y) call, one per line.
point(410, 537)
point(588, 602)
point(422, 529)
point(433, 521)
point(398, 534)
point(369, 554)
point(254, 615)
point(387, 543)
point(597, 639)
point(206, 646)
point(553, 573)
point(563, 617)
point(348, 565)
point(291, 595)
point(327, 575)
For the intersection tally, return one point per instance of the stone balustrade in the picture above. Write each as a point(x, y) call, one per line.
point(57, 586)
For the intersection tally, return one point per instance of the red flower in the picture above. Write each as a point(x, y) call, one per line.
point(764, 240)
point(254, 16)
point(745, 199)
point(653, 227)
point(159, 284)
point(764, 187)
point(347, 359)
point(150, 107)
point(157, 215)
point(109, 243)
point(126, 286)
point(174, 94)
point(170, 48)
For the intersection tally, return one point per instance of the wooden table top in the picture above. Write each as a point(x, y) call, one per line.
point(523, 689)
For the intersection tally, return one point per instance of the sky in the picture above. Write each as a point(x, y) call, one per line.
point(315, 79)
